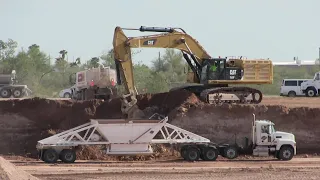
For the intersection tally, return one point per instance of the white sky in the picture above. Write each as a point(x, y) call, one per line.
point(275, 29)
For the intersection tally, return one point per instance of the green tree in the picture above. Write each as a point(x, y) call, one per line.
point(108, 59)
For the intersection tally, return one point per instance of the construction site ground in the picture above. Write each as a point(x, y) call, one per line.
point(23, 122)
point(241, 169)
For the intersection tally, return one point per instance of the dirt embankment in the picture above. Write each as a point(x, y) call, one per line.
point(24, 122)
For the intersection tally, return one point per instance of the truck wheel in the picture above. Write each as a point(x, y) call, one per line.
point(192, 154)
point(183, 153)
point(230, 152)
point(67, 95)
point(17, 93)
point(68, 156)
point(5, 93)
point(291, 94)
point(210, 154)
point(50, 156)
point(310, 92)
point(286, 153)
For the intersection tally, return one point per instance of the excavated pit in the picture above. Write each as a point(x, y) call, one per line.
point(24, 122)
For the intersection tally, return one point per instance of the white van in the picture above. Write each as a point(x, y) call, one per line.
point(292, 87)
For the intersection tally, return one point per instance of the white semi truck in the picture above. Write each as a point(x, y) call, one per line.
point(311, 87)
point(94, 83)
point(10, 88)
point(133, 137)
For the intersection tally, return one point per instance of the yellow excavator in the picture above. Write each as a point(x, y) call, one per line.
point(208, 77)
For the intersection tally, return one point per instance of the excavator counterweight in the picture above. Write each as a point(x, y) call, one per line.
point(210, 77)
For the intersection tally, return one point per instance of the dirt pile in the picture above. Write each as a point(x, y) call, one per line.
point(24, 122)
point(8, 171)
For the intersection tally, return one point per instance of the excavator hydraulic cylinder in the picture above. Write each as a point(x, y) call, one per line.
point(156, 29)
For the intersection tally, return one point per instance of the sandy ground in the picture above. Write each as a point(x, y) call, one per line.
point(297, 168)
point(292, 101)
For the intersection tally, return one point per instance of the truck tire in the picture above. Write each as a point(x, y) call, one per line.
point(50, 156)
point(67, 95)
point(183, 152)
point(68, 156)
point(230, 152)
point(286, 153)
point(192, 154)
point(5, 93)
point(311, 92)
point(17, 93)
point(210, 154)
point(291, 94)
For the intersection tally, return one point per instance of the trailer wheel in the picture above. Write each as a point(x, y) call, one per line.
point(210, 154)
point(192, 154)
point(230, 152)
point(68, 156)
point(17, 93)
point(5, 93)
point(50, 156)
point(286, 153)
point(183, 152)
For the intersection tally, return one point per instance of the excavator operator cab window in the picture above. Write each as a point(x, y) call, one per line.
point(215, 69)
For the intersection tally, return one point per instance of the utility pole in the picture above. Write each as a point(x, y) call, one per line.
point(319, 58)
point(159, 59)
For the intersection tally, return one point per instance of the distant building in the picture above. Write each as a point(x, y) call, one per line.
point(297, 63)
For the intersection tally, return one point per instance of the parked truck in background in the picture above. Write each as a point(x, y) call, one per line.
point(10, 88)
point(94, 83)
point(311, 87)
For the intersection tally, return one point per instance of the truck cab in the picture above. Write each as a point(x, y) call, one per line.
point(267, 141)
point(311, 87)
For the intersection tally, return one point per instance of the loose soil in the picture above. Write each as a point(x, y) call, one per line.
point(24, 122)
point(258, 169)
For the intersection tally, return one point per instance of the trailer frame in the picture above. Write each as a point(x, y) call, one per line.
point(134, 138)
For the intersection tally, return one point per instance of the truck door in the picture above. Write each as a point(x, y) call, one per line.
point(299, 90)
point(317, 82)
point(265, 136)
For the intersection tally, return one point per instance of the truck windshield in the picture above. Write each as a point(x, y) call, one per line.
point(273, 129)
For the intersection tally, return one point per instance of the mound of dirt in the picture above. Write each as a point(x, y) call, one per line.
point(24, 122)
point(9, 171)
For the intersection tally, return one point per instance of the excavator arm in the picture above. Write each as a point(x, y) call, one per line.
point(169, 38)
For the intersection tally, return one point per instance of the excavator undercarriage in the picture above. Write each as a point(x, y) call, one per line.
point(224, 94)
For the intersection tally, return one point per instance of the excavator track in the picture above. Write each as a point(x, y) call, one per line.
point(241, 95)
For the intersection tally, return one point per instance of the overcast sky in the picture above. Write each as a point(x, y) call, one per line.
point(276, 29)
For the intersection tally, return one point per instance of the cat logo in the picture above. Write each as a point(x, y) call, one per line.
point(233, 72)
point(150, 42)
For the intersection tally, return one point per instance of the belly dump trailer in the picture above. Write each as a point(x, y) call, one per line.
point(133, 137)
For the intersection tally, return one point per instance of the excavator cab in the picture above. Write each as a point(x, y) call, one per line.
point(219, 69)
